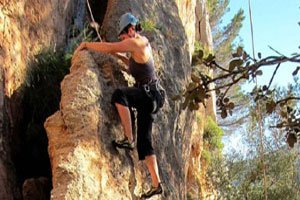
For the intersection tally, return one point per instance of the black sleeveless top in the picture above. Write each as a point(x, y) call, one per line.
point(143, 73)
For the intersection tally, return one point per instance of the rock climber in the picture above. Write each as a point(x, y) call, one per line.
point(146, 96)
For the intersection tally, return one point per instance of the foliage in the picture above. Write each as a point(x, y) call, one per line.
point(236, 178)
point(189, 196)
point(206, 156)
point(281, 104)
point(282, 182)
point(240, 175)
point(148, 25)
point(216, 9)
point(41, 97)
point(224, 41)
point(224, 38)
point(270, 169)
point(223, 34)
point(212, 139)
point(241, 67)
point(76, 36)
point(42, 89)
point(198, 48)
point(213, 134)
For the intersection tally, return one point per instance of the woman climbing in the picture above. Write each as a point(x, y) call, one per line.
point(145, 96)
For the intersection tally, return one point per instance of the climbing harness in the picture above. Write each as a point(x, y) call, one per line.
point(156, 93)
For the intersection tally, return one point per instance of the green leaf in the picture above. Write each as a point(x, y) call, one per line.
point(195, 78)
point(231, 105)
point(264, 88)
point(270, 107)
point(282, 104)
point(224, 114)
point(196, 61)
point(258, 73)
point(176, 97)
point(245, 56)
point(200, 95)
point(269, 92)
point(283, 114)
point(291, 139)
point(296, 71)
point(234, 63)
point(193, 106)
point(192, 86)
point(226, 100)
point(200, 54)
point(239, 51)
point(248, 63)
point(259, 55)
point(210, 58)
point(235, 55)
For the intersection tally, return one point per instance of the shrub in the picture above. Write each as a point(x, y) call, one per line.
point(148, 25)
point(41, 97)
point(213, 135)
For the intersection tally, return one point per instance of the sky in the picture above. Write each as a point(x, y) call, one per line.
point(275, 24)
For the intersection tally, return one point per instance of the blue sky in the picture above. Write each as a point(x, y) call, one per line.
point(275, 24)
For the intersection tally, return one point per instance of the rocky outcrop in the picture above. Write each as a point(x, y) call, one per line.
point(203, 30)
point(83, 160)
point(36, 189)
point(26, 27)
point(84, 163)
point(187, 13)
point(5, 192)
point(204, 36)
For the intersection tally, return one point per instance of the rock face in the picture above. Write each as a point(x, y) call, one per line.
point(26, 27)
point(187, 13)
point(84, 163)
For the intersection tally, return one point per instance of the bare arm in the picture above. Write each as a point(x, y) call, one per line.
point(113, 48)
point(128, 45)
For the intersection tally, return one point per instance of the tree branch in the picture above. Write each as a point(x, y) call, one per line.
point(284, 125)
point(275, 71)
point(287, 99)
point(271, 60)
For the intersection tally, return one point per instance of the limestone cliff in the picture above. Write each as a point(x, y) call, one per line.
point(84, 163)
point(26, 27)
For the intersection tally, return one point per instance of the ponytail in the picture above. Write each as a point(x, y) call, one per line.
point(138, 27)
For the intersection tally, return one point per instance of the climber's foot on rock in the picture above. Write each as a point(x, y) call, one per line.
point(153, 191)
point(123, 144)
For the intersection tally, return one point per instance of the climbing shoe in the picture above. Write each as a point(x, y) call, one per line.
point(153, 191)
point(124, 144)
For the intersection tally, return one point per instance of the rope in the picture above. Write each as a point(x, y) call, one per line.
point(94, 24)
point(262, 150)
point(251, 26)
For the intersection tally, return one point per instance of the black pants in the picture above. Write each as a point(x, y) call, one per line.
point(137, 98)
